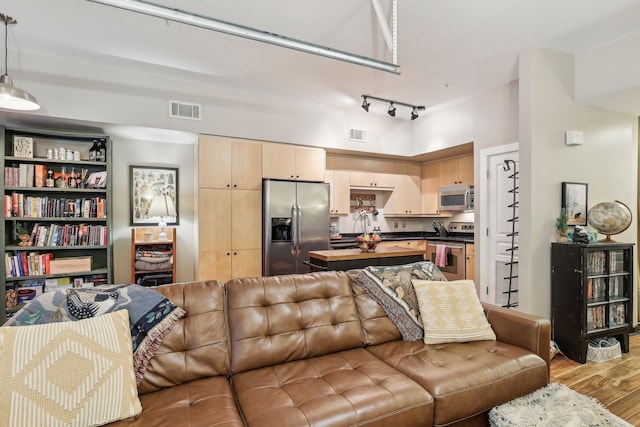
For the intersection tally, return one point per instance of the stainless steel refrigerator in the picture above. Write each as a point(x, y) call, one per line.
point(295, 221)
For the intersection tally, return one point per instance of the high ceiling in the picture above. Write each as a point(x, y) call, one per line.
point(447, 49)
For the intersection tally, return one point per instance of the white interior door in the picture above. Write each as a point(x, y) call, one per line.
point(499, 225)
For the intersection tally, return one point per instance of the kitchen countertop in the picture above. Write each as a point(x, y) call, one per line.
point(390, 237)
point(352, 254)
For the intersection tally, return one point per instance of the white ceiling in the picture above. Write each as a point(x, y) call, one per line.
point(447, 49)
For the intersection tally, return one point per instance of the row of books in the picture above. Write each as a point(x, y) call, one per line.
point(596, 316)
point(617, 314)
point(597, 262)
point(22, 205)
point(68, 235)
point(25, 175)
point(23, 264)
point(597, 289)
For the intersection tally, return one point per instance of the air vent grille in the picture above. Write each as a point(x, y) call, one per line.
point(357, 135)
point(184, 110)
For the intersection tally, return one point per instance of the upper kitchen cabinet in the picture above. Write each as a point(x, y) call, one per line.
point(407, 198)
point(293, 162)
point(229, 163)
point(430, 184)
point(456, 170)
point(338, 178)
point(375, 173)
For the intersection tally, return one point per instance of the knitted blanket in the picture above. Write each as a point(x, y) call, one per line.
point(391, 287)
point(151, 315)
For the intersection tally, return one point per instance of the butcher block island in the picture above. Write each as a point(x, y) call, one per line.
point(348, 259)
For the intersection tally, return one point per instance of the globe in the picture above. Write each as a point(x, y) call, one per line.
point(609, 218)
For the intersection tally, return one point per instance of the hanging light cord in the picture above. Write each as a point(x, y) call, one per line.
point(6, 48)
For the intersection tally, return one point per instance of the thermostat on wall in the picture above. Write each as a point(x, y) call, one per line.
point(574, 137)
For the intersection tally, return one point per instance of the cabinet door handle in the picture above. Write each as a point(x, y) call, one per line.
point(228, 253)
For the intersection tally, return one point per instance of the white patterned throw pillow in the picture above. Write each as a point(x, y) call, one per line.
point(70, 373)
point(451, 312)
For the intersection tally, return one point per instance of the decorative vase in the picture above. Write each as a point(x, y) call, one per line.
point(561, 237)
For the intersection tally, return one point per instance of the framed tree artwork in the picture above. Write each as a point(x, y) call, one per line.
point(147, 182)
point(574, 201)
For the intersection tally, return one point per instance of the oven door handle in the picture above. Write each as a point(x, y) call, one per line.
point(447, 245)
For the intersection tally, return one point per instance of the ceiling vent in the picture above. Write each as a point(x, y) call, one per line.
point(357, 135)
point(184, 110)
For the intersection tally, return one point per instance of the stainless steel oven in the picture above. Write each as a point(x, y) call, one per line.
point(455, 258)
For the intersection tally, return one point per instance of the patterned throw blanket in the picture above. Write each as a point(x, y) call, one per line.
point(151, 315)
point(391, 287)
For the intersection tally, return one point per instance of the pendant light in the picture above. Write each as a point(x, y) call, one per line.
point(12, 97)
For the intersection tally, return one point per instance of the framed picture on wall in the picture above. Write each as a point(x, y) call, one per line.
point(574, 200)
point(147, 183)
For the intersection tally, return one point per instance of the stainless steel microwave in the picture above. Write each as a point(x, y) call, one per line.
point(455, 197)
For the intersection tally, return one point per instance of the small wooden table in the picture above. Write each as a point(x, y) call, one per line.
point(348, 259)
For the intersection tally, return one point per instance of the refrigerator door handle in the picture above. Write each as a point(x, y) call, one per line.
point(297, 222)
point(294, 229)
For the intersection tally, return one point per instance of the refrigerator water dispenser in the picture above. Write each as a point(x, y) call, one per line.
point(280, 229)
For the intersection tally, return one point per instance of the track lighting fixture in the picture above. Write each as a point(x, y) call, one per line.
point(365, 104)
point(392, 110)
point(392, 106)
point(12, 97)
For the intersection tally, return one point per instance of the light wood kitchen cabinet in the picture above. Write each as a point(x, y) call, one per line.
point(229, 163)
point(437, 173)
point(293, 162)
point(456, 170)
point(230, 233)
point(430, 184)
point(420, 244)
point(337, 175)
point(368, 172)
point(407, 198)
point(470, 266)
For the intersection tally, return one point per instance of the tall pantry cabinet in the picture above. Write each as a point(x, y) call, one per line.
point(591, 295)
point(229, 208)
point(56, 230)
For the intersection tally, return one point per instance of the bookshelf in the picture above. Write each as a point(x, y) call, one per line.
point(56, 204)
point(153, 261)
point(591, 295)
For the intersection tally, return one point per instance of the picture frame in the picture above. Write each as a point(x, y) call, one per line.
point(574, 201)
point(146, 182)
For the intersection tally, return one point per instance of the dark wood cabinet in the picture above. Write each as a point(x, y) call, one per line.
point(591, 295)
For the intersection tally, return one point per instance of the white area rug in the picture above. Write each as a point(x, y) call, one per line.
point(554, 405)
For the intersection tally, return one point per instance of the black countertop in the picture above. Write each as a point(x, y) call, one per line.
point(410, 235)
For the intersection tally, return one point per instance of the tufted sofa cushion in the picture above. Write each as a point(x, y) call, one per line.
point(284, 318)
point(197, 345)
point(466, 379)
point(298, 358)
point(187, 380)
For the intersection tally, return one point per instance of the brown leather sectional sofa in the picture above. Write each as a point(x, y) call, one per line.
point(316, 350)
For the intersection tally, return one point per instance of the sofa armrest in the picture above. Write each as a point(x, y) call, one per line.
point(520, 329)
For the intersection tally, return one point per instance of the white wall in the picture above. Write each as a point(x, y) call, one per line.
point(151, 153)
point(607, 162)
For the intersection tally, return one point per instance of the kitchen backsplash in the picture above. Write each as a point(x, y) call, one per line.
point(354, 222)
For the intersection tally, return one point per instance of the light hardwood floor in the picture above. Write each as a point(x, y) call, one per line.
point(616, 383)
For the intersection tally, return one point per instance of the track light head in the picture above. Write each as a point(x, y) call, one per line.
point(365, 104)
point(392, 110)
point(414, 113)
